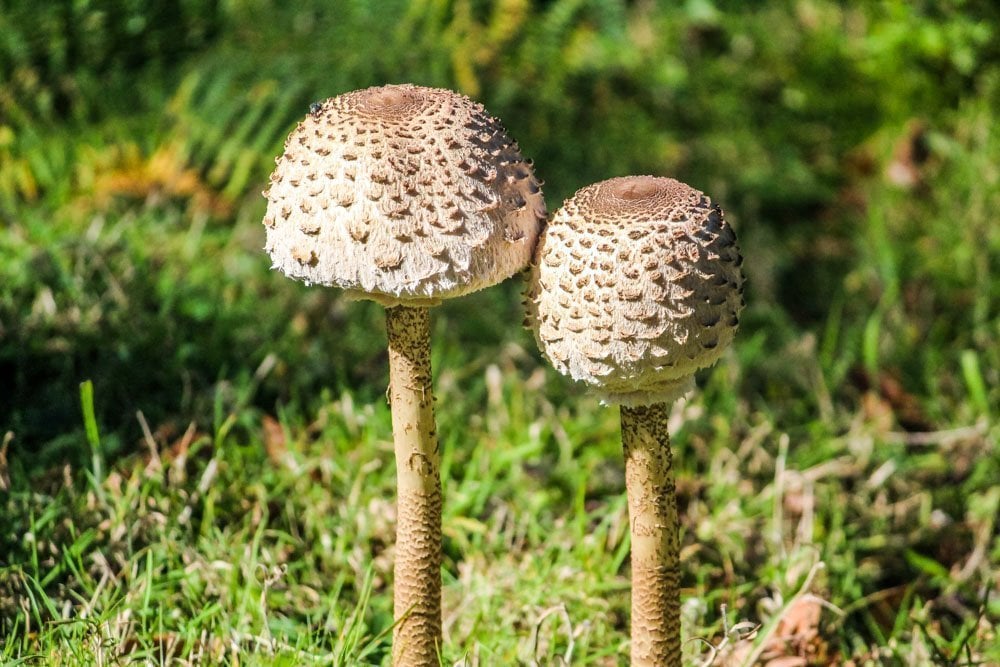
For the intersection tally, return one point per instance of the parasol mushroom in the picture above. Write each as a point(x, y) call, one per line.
point(405, 195)
point(636, 284)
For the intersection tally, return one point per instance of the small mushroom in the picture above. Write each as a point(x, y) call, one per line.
point(670, 290)
point(431, 200)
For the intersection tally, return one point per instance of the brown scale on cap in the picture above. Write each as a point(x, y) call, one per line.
point(404, 195)
point(636, 284)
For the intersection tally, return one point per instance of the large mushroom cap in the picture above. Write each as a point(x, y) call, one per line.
point(404, 195)
point(635, 285)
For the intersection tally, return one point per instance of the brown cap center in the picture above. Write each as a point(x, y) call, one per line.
point(390, 102)
point(636, 187)
point(630, 199)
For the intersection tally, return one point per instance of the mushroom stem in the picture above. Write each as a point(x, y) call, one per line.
point(653, 523)
point(417, 585)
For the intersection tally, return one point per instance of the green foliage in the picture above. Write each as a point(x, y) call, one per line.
point(67, 59)
point(69, 62)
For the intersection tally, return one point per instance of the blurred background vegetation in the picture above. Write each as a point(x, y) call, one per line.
point(854, 146)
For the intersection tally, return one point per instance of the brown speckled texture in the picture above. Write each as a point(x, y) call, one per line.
point(417, 573)
point(636, 284)
point(652, 510)
point(402, 194)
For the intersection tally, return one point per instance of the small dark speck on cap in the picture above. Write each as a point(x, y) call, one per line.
point(315, 107)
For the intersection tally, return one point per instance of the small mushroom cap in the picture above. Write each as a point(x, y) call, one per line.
point(636, 284)
point(404, 195)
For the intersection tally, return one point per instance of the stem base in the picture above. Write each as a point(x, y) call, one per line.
point(417, 570)
point(653, 521)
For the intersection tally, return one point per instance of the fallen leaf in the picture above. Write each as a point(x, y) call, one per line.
point(274, 439)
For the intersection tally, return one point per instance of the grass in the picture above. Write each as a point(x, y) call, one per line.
point(268, 540)
point(195, 453)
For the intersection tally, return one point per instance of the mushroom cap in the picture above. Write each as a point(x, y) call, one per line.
point(635, 285)
point(402, 194)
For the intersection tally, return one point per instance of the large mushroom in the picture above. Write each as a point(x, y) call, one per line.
point(636, 284)
point(405, 195)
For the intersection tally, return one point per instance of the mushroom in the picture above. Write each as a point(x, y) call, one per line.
point(405, 195)
point(635, 285)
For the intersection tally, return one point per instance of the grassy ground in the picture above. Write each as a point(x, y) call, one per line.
point(196, 459)
point(268, 540)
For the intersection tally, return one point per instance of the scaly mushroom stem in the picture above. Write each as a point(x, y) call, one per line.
point(417, 586)
point(652, 509)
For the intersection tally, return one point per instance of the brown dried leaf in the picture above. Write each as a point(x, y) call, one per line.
point(801, 619)
point(178, 448)
point(877, 411)
point(906, 407)
point(787, 661)
point(274, 439)
point(796, 641)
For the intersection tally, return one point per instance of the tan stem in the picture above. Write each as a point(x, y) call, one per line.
point(417, 586)
point(652, 510)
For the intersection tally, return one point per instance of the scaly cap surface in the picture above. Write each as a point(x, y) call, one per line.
point(404, 195)
point(635, 285)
